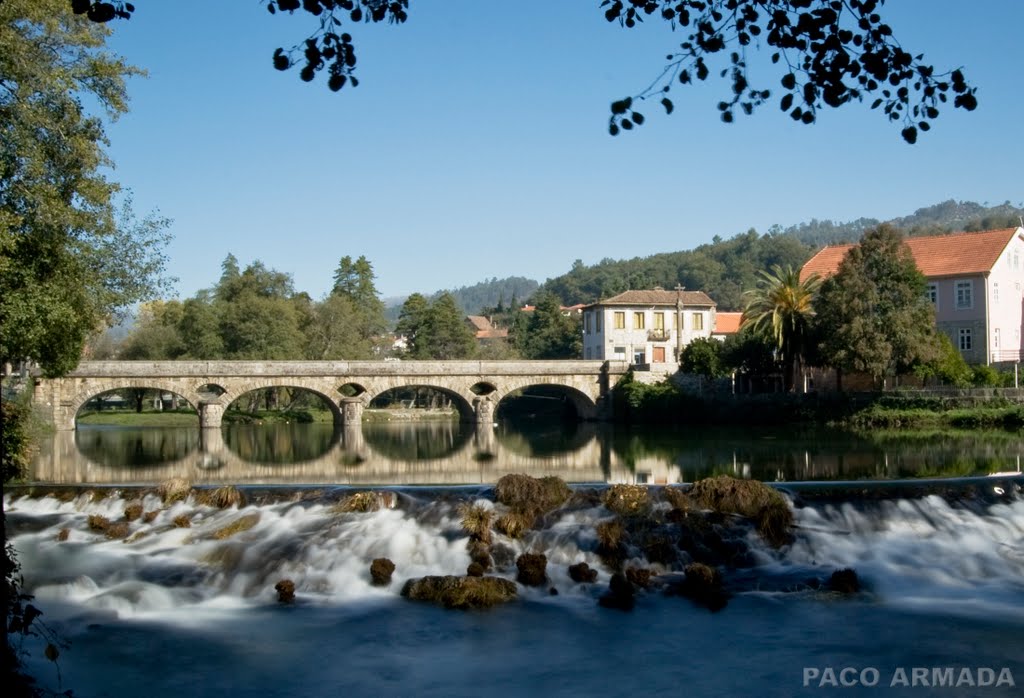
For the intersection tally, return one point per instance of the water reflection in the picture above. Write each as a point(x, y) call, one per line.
point(449, 453)
point(280, 443)
point(120, 447)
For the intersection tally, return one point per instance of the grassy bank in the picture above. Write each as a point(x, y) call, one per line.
point(176, 418)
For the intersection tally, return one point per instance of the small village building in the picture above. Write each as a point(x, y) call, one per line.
point(484, 329)
point(726, 324)
point(975, 282)
point(647, 328)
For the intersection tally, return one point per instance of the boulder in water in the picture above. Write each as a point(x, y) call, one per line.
point(639, 576)
point(364, 502)
point(460, 592)
point(174, 489)
point(240, 524)
point(844, 581)
point(381, 570)
point(476, 521)
point(133, 510)
point(223, 497)
point(182, 521)
point(285, 591)
point(750, 498)
point(620, 594)
point(475, 569)
point(627, 500)
point(581, 573)
point(532, 569)
point(703, 585)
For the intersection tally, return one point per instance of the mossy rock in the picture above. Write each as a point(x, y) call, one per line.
point(522, 492)
point(581, 573)
point(844, 581)
point(239, 525)
point(627, 500)
point(639, 577)
point(532, 569)
point(285, 591)
point(63, 534)
point(150, 516)
point(182, 521)
point(98, 523)
point(750, 498)
point(477, 521)
point(133, 511)
point(381, 570)
point(222, 498)
point(365, 502)
point(515, 523)
point(475, 569)
point(703, 585)
point(461, 592)
point(174, 489)
point(117, 530)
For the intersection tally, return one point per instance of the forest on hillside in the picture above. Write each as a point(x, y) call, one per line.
point(725, 267)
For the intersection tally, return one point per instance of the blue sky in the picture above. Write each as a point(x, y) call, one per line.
point(476, 144)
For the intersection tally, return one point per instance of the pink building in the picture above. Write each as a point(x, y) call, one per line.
point(975, 282)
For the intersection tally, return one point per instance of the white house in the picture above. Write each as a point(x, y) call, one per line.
point(647, 328)
point(975, 282)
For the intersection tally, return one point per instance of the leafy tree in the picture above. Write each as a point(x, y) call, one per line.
point(257, 316)
point(444, 334)
point(749, 353)
point(947, 365)
point(411, 323)
point(703, 357)
point(200, 328)
point(873, 313)
point(549, 334)
point(334, 331)
point(354, 281)
point(156, 334)
point(834, 52)
point(781, 308)
point(68, 259)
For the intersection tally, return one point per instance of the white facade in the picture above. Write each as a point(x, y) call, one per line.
point(647, 328)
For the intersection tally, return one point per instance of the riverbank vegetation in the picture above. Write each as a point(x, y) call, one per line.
point(666, 403)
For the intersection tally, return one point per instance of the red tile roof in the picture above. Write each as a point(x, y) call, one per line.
point(657, 297)
point(727, 323)
point(935, 255)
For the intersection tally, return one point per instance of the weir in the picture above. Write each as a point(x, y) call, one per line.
point(476, 387)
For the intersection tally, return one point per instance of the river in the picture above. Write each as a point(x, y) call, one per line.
point(933, 524)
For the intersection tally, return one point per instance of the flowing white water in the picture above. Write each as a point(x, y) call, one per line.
point(171, 609)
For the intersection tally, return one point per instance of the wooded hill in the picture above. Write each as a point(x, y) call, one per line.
point(724, 268)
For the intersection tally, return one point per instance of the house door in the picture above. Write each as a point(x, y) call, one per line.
point(659, 355)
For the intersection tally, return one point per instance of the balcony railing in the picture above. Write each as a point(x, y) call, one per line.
point(658, 335)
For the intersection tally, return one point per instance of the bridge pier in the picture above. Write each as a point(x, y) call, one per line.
point(351, 411)
point(211, 414)
point(483, 410)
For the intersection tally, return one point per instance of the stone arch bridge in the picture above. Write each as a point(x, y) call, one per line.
point(475, 387)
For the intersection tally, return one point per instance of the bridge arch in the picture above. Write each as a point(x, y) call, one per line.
point(459, 400)
point(237, 390)
point(585, 407)
point(184, 391)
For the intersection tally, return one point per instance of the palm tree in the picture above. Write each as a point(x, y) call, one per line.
point(781, 309)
